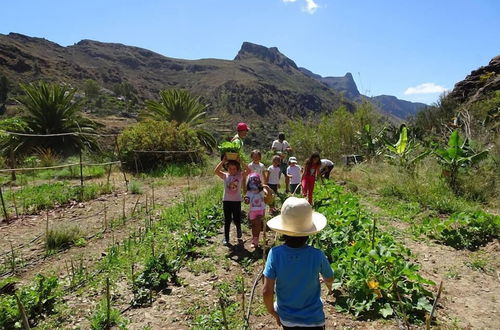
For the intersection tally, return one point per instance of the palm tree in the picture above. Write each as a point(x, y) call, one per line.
point(50, 109)
point(181, 107)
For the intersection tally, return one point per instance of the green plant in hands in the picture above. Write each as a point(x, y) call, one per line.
point(457, 156)
point(402, 152)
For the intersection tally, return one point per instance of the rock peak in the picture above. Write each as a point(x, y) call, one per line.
point(272, 55)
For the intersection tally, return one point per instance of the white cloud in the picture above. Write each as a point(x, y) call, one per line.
point(310, 7)
point(425, 88)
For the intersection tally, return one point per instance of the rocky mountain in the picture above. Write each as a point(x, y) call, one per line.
point(259, 82)
point(388, 104)
point(479, 84)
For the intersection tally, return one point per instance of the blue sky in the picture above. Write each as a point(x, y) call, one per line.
point(413, 49)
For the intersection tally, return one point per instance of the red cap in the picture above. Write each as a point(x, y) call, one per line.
point(242, 127)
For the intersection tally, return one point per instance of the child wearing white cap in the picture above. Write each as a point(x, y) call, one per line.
point(293, 171)
point(293, 269)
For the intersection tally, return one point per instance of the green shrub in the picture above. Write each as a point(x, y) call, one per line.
point(464, 230)
point(152, 135)
point(60, 238)
point(135, 188)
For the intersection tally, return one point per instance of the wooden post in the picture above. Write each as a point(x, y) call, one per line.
point(153, 194)
point(108, 305)
point(22, 311)
point(121, 167)
point(373, 232)
point(12, 259)
point(6, 215)
point(223, 309)
point(105, 217)
point(109, 174)
point(14, 201)
point(123, 208)
point(81, 176)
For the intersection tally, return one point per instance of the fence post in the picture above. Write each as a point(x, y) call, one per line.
point(81, 176)
point(6, 215)
point(108, 305)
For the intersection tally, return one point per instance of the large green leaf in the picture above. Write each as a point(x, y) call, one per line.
point(403, 141)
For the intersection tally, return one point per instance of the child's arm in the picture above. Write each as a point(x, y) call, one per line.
point(218, 170)
point(328, 282)
point(268, 295)
point(267, 190)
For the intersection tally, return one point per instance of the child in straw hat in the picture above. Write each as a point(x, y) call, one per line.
point(293, 269)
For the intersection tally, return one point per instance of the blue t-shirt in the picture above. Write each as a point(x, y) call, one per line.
point(296, 271)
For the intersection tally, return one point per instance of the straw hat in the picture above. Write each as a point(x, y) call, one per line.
point(297, 218)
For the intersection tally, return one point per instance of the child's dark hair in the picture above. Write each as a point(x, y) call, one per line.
point(309, 160)
point(235, 163)
point(255, 152)
point(295, 241)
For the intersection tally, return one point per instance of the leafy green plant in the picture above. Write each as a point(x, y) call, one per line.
point(39, 300)
point(373, 273)
point(98, 320)
point(180, 107)
point(457, 156)
point(227, 146)
point(463, 230)
point(152, 144)
point(60, 238)
point(402, 152)
point(370, 140)
point(135, 188)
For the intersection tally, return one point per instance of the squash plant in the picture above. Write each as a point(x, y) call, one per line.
point(457, 156)
point(373, 273)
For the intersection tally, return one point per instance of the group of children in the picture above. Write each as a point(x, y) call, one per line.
point(292, 271)
point(256, 181)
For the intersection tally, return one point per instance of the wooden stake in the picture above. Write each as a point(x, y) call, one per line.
point(108, 305)
point(373, 232)
point(14, 201)
point(123, 208)
point(153, 194)
point(22, 311)
point(6, 215)
point(105, 217)
point(81, 176)
point(221, 304)
point(12, 259)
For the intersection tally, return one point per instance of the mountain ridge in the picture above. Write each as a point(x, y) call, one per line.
point(259, 81)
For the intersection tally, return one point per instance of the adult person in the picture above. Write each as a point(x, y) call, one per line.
point(326, 168)
point(293, 269)
point(242, 131)
point(282, 148)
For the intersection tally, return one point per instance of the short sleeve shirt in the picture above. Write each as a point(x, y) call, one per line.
point(232, 187)
point(274, 174)
point(298, 291)
point(280, 146)
point(326, 162)
point(256, 200)
point(238, 140)
point(257, 168)
point(294, 171)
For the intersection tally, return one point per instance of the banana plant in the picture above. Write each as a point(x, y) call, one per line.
point(402, 153)
point(458, 155)
point(370, 141)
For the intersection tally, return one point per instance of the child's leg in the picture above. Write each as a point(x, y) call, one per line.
point(227, 219)
point(311, 190)
point(237, 218)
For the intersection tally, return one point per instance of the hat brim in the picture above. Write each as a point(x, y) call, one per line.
point(318, 224)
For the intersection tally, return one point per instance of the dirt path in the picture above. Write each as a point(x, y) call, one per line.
point(27, 234)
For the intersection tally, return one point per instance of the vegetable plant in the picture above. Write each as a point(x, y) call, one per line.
point(402, 153)
point(458, 155)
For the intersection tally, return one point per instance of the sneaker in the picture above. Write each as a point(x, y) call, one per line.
point(225, 242)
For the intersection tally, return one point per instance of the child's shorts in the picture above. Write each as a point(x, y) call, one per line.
point(252, 215)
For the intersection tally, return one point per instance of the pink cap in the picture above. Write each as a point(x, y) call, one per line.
point(242, 127)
